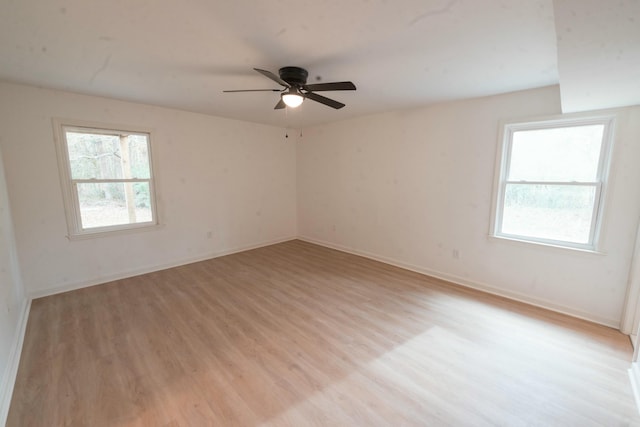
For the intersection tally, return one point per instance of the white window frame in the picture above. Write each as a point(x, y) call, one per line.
point(69, 193)
point(502, 167)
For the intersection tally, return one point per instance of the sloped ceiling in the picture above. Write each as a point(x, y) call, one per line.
point(183, 54)
point(598, 53)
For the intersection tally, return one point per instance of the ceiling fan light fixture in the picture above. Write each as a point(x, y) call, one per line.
point(293, 98)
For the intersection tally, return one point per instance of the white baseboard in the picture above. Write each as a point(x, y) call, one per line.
point(11, 371)
point(634, 376)
point(517, 296)
point(150, 269)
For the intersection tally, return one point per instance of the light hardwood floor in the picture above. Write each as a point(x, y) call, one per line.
point(299, 335)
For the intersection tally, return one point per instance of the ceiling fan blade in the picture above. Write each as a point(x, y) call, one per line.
point(324, 100)
point(280, 105)
point(273, 77)
point(331, 86)
point(252, 90)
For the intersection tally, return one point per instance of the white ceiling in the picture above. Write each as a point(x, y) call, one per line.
point(599, 53)
point(400, 54)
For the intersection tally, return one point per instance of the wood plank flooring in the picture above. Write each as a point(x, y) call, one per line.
point(299, 335)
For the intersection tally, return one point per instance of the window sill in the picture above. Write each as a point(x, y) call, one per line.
point(516, 241)
point(114, 232)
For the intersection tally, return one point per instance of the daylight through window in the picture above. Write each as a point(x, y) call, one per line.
point(552, 180)
point(107, 176)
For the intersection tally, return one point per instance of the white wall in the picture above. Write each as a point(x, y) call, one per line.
point(235, 179)
point(12, 300)
point(410, 187)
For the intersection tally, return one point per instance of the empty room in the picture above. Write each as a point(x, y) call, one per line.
point(296, 213)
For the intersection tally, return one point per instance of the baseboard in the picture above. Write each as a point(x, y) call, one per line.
point(549, 305)
point(634, 376)
point(11, 371)
point(516, 296)
point(151, 269)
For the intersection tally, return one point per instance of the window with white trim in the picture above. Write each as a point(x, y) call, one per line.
point(107, 178)
point(552, 180)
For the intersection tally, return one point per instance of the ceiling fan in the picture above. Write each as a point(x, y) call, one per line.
point(296, 89)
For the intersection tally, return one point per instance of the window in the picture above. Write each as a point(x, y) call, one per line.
point(107, 178)
point(551, 181)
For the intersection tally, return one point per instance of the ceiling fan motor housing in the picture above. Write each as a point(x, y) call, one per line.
point(295, 76)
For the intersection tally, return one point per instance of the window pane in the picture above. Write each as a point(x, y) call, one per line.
point(94, 156)
point(105, 204)
point(560, 154)
point(99, 156)
point(139, 156)
point(555, 212)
